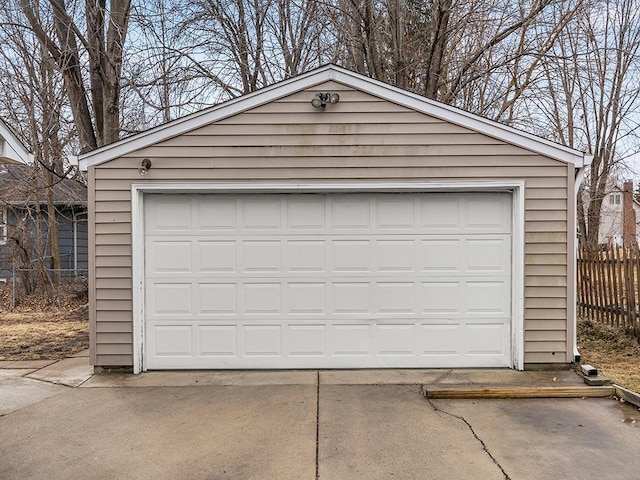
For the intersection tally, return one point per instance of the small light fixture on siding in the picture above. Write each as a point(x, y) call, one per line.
point(145, 166)
point(321, 99)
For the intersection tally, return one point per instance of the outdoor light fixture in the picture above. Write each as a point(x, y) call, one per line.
point(321, 99)
point(145, 166)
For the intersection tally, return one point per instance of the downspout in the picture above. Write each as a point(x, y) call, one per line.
point(580, 172)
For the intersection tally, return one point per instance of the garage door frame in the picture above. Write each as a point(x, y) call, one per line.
point(516, 188)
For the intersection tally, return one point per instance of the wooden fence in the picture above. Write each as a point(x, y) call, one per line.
point(608, 284)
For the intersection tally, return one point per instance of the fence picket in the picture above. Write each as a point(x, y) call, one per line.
point(608, 284)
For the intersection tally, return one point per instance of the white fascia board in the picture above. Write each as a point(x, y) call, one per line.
point(331, 72)
point(12, 149)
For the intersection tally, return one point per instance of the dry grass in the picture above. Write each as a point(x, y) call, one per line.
point(44, 335)
point(615, 354)
point(41, 329)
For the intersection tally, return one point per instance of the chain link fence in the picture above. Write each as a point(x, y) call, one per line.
point(48, 285)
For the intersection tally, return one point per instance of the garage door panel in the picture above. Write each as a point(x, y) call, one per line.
point(354, 339)
point(488, 255)
point(350, 212)
point(172, 340)
point(217, 298)
point(486, 339)
point(395, 298)
point(327, 281)
point(398, 214)
point(173, 299)
point(261, 256)
point(441, 297)
point(261, 298)
point(216, 213)
point(262, 340)
point(308, 255)
point(440, 339)
point(170, 215)
point(487, 213)
point(217, 256)
point(440, 213)
point(261, 213)
point(217, 341)
point(350, 256)
point(307, 340)
point(487, 298)
point(441, 255)
point(170, 256)
point(350, 298)
point(305, 298)
point(396, 339)
point(307, 214)
point(396, 256)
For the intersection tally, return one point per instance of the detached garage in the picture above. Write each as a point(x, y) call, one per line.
point(332, 221)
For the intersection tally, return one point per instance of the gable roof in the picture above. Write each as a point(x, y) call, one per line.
point(354, 80)
point(22, 186)
point(12, 150)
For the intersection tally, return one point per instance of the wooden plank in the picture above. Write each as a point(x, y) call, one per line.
point(452, 392)
point(614, 303)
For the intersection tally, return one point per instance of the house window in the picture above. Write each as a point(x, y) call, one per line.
point(3, 226)
point(614, 199)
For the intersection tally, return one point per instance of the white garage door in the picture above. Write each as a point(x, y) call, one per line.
point(327, 280)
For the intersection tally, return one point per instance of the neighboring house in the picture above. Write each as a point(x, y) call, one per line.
point(332, 221)
point(21, 197)
point(612, 215)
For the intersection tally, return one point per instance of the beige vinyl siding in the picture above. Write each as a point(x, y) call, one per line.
point(359, 139)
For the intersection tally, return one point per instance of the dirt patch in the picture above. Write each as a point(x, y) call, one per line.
point(614, 353)
point(44, 330)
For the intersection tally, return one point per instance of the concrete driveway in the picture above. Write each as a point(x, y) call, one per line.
point(310, 425)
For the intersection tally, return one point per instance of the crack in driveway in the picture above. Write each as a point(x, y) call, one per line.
point(470, 427)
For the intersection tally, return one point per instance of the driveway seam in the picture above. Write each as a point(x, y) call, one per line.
point(317, 425)
point(484, 446)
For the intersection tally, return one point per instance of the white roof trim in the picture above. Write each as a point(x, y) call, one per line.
point(11, 149)
point(352, 79)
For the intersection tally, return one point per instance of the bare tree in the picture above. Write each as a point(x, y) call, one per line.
point(594, 95)
point(93, 89)
point(33, 100)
